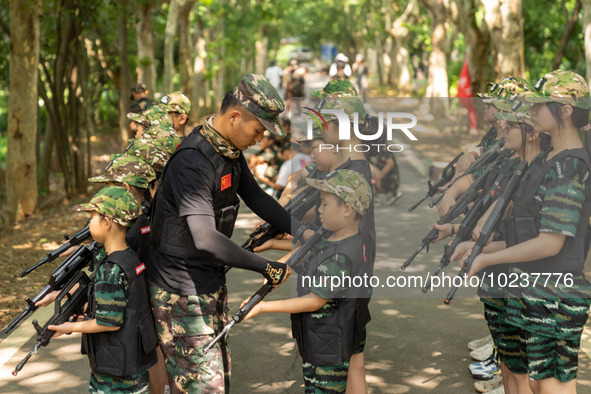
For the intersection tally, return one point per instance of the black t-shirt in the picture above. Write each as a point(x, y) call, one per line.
point(189, 185)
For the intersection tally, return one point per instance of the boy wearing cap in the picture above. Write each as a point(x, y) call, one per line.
point(179, 107)
point(193, 219)
point(325, 317)
point(118, 335)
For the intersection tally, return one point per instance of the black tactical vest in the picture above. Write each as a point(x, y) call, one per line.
point(170, 232)
point(132, 348)
point(331, 340)
point(138, 236)
point(524, 222)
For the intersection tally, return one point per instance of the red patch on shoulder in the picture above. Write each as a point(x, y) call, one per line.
point(374, 181)
point(140, 268)
point(145, 230)
point(226, 181)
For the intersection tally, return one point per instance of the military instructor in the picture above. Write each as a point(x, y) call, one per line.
point(194, 214)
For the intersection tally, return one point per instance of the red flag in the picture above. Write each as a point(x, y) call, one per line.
point(465, 90)
point(464, 84)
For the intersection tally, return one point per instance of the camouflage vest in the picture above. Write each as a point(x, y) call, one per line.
point(524, 222)
point(170, 232)
point(331, 340)
point(132, 348)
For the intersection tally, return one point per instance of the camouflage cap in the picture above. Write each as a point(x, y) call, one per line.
point(114, 202)
point(261, 99)
point(176, 102)
point(560, 86)
point(335, 88)
point(159, 131)
point(128, 169)
point(150, 151)
point(302, 136)
point(508, 87)
point(514, 116)
point(169, 143)
point(349, 186)
point(349, 104)
point(152, 116)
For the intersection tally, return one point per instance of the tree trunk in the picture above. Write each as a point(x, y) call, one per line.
point(169, 34)
point(21, 163)
point(124, 84)
point(261, 46)
point(587, 32)
point(45, 158)
point(477, 42)
point(146, 70)
point(186, 47)
point(220, 90)
point(400, 76)
point(437, 84)
point(570, 21)
point(199, 97)
point(505, 24)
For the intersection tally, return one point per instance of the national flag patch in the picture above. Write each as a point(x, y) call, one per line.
point(226, 181)
point(145, 230)
point(140, 268)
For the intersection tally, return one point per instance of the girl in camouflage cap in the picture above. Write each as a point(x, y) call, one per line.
point(549, 223)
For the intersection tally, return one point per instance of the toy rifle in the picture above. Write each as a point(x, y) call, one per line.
point(58, 280)
point(267, 287)
point(446, 176)
point(470, 220)
point(459, 207)
point(491, 223)
point(66, 306)
point(76, 239)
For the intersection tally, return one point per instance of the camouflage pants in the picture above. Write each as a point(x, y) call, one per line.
point(185, 325)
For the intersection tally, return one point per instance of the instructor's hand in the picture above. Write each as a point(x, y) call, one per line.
point(276, 273)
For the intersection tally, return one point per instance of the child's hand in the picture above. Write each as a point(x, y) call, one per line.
point(269, 244)
point(69, 251)
point(462, 251)
point(257, 310)
point(65, 328)
point(444, 231)
point(48, 299)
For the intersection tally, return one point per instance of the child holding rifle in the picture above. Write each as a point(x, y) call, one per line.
point(345, 197)
point(119, 335)
point(547, 237)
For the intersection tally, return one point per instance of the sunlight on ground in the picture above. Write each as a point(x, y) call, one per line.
point(272, 388)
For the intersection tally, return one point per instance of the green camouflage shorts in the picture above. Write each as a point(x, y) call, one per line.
point(185, 325)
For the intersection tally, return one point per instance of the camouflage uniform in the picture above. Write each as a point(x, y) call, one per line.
point(150, 151)
point(153, 116)
point(550, 318)
point(185, 324)
point(336, 88)
point(352, 188)
point(111, 287)
point(128, 169)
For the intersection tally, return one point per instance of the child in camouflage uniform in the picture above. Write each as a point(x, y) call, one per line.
point(345, 197)
point(119, 311)
point(549, 223)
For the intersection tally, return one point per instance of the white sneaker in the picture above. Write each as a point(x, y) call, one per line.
point(473, 345)
point(482, 353)
point(486, 386)
point(499, 390)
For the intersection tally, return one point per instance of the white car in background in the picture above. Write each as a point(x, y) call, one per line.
point(302, 54)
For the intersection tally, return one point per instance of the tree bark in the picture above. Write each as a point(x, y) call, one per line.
point(21, 163)
point(505, 24)
point(437, 84)
point(198, 101)
point(570, 21)
point(477, 43)
point(146, 70)
point(186, 47)
point(124, 84)
point(169, 35)
point(220, 89)
point(587, 33)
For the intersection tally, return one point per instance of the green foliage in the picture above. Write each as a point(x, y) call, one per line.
point(3, 143)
